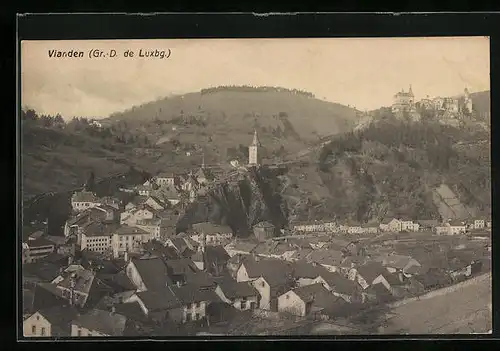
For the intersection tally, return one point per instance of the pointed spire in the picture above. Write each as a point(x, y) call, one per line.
point(410, 91)
point(255, 138)
point(203, 161)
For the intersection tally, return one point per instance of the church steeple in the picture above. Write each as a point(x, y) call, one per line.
point(255, 141)
point(410, 91)
point(253, 150)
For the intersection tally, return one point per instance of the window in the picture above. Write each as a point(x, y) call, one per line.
point(287, 297)
point(79, 332)
point(197, 316)
point(43, 331)
point(33, 329)
point(37, 318)
point(188, 317)
point(262, 284)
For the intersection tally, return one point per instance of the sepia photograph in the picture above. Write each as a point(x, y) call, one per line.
point(255, 187)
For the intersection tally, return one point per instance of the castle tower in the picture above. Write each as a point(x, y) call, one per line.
point(467, 101)
point(253, 151)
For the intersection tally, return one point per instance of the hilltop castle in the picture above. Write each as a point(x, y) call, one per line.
point(448, 107)
point(403, 101)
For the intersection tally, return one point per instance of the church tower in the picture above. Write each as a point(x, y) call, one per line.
point(254, 150)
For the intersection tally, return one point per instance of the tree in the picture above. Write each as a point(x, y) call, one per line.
point(29, 115)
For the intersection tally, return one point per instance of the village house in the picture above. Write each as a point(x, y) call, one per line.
point(143, 190)
point(343, 228)
point(461, 265)
point(96, 237)
point(270, 285)
point(183, 244)
point(407, 225)
point(316, 226)
point(354, 228)
point(330, 259)
point(433, 279)
point(166, 179)
point(111, 201)
point(49, 322)
point(309, 300)
point(370, 274)
point(376, 293)
point(268, 276)
point(82, 288)
point(238, 247)
point(233, 264)
point(133, 215)
point(427, 225)
point(159, 305)
point(391, 225)
point(453, 227)
point(176, 304)
point(128, 239)
point(242, 295)
point(152, 226)
point(488, 223)
point(99, 323)
point(305, 273)
point(211, 259)
point(73, 225)
point(300, 254)
point(348, 266)
point(398, 263)
point(370, 228)
point(264, 231)
point(339, 286)
point(215, 234)
point(82, 200)
point(185, 272)
point(274, 249)
point(37, 249)
point(150, 201)
point(443, 229)
point(478, 223)
point(148, 274)
point(168, 194)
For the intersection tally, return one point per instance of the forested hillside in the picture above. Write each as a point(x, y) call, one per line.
point(392, 168)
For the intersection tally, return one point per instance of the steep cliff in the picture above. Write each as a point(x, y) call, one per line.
point(241, 202)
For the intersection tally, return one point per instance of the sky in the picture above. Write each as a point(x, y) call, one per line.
point(364, 73)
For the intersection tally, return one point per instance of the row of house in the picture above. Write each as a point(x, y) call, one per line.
point(395, 225)
point(177, 284)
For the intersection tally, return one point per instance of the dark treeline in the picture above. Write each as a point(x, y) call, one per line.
point(249, 88)
point(118, 132)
